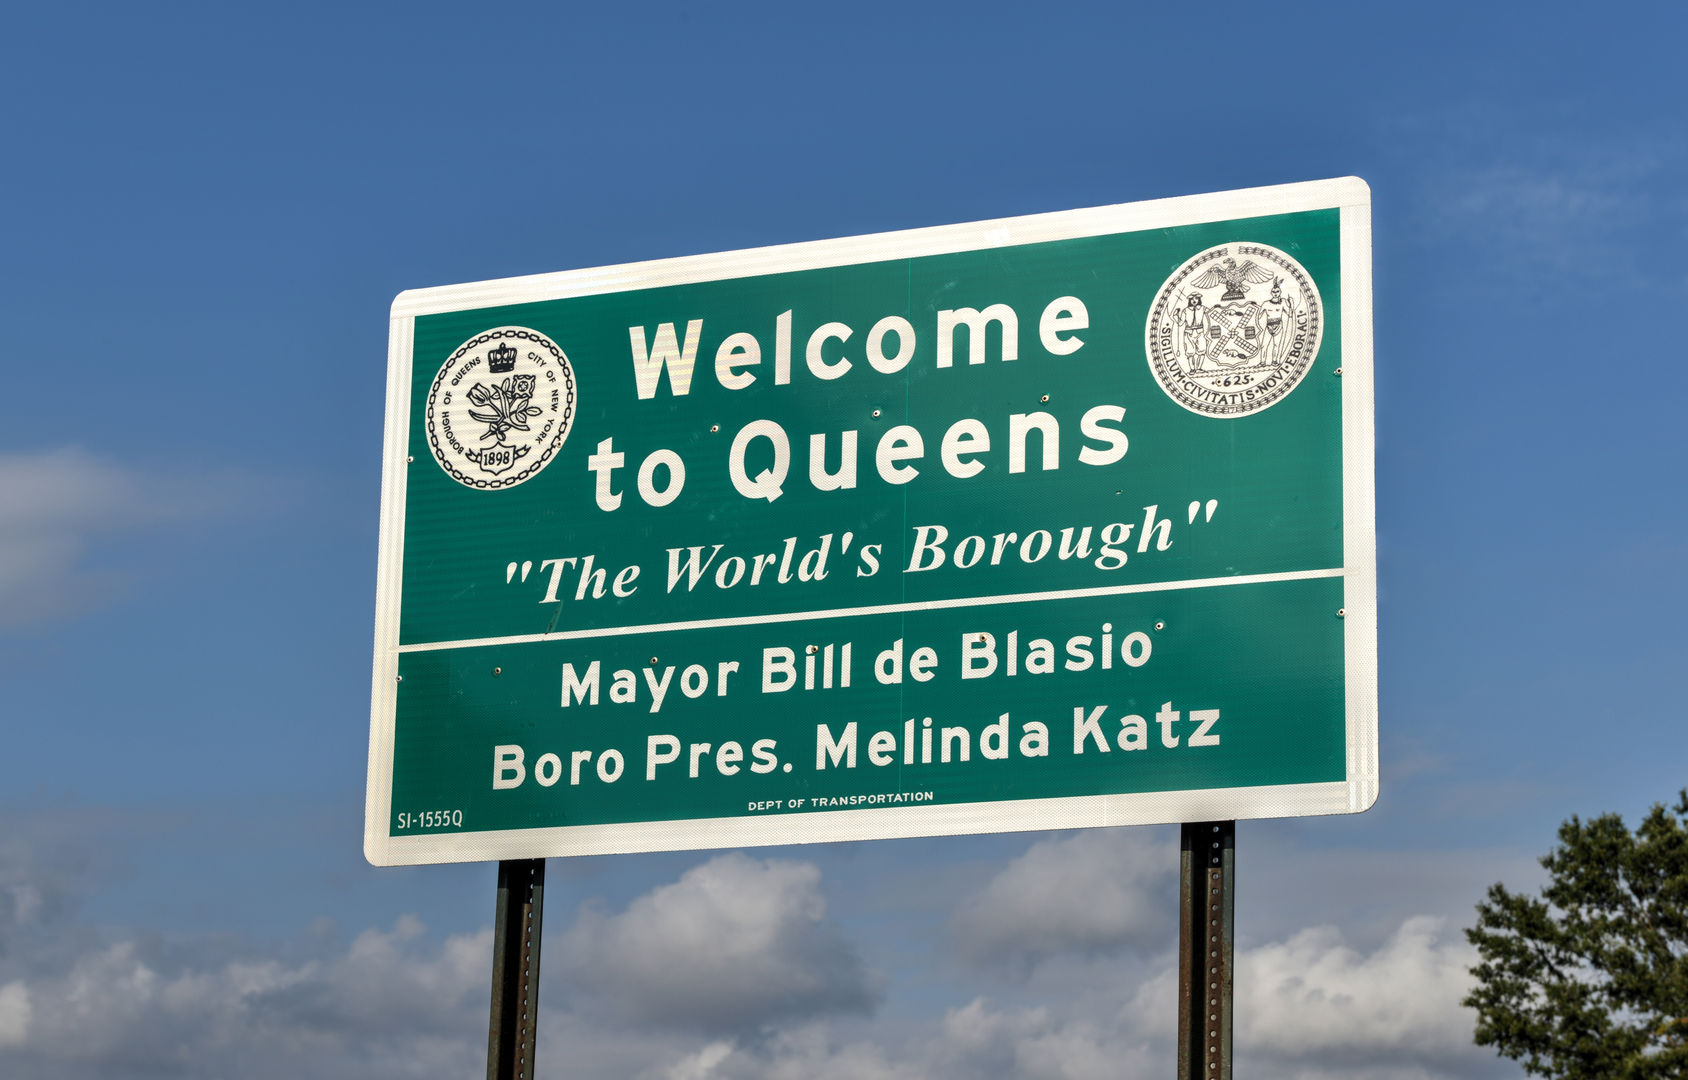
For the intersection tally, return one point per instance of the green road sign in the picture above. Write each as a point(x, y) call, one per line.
point(1043, 522)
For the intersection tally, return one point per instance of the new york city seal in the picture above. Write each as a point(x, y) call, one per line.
point(500, 408)
point(1234, 330)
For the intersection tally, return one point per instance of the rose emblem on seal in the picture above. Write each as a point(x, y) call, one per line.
point(500, 408)
point(1234, 330)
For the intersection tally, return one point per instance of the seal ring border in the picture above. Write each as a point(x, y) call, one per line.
point(1158, 311)
point(556, 442)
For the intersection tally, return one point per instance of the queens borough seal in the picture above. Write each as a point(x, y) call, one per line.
point(1234, 330)
point(500, 408)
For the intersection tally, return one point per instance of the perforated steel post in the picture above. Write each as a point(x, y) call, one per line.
point(1206, 939)
point(515, 969)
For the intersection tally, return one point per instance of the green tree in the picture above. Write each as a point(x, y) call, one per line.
point(1589, 981)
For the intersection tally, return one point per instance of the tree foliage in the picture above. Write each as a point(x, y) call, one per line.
point(1589, 981)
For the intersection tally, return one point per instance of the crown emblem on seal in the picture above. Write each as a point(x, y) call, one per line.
point(502, 360)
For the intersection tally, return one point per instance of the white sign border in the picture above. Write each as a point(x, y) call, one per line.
point(1349, 195)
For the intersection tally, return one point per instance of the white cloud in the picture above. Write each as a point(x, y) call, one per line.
point(734, 971)
point(807, 1051)
point(736, 943)
point(44, 867)
point(1313, 1006)
point(1400, 1001)
point(134, 1007)
point(1287, 884)
point(1098, 891)
point(57, 506)
point(1552, 219)
point(701, 1065)
point(977, 1041)
point(393, 1004)
point(1309, 1008)
point(1038, 1044)
point(14, 1014)
point(1541, 210)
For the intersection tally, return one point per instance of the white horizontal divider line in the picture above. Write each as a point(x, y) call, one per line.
point(879, 609)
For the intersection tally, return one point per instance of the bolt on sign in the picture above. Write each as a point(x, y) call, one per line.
point(1045, 522)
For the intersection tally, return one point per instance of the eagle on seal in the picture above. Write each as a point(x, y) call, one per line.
point(1235, 278)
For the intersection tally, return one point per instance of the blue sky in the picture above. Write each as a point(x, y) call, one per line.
point(207, 212)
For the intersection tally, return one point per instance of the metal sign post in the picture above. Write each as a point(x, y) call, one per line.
point(1206, 948)
point(515, 969)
